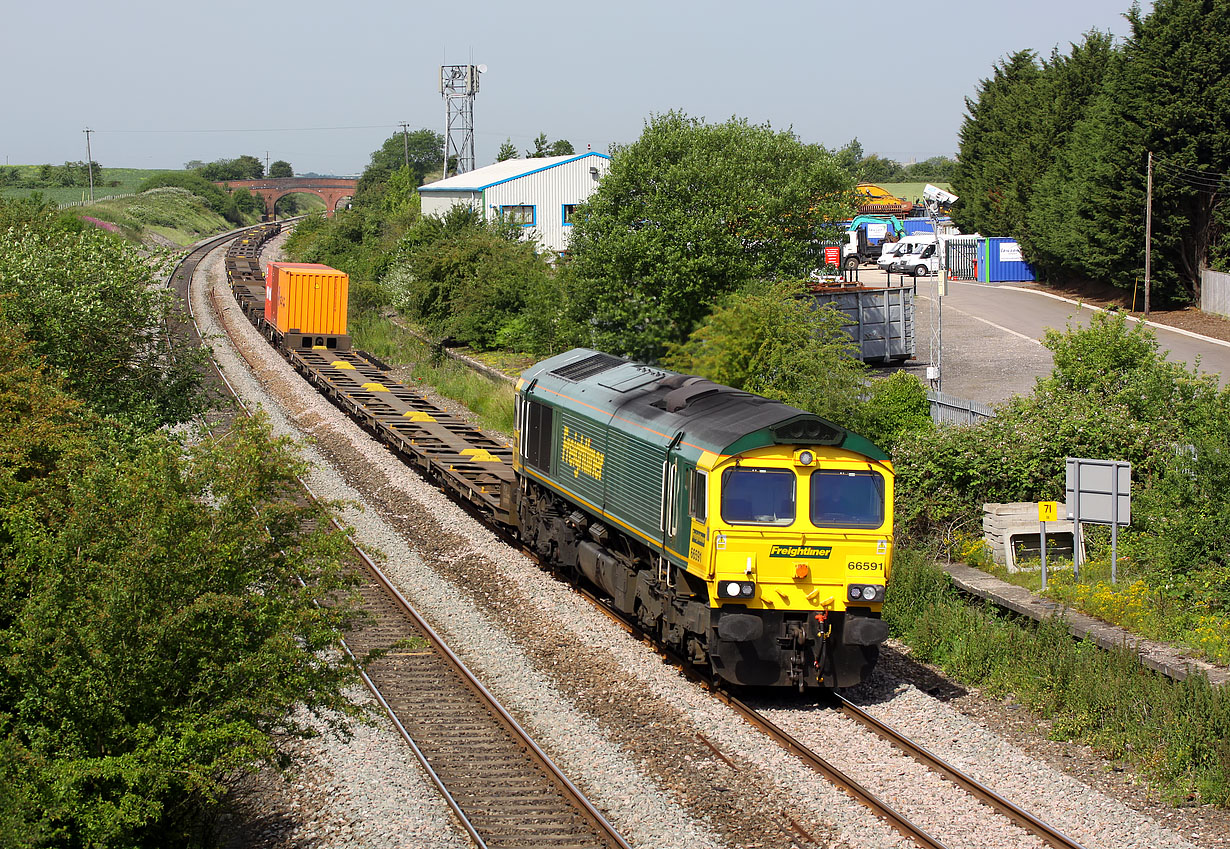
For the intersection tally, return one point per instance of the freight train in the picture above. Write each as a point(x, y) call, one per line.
point(751, 537)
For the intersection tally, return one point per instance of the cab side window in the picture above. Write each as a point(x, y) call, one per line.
point(698, 483)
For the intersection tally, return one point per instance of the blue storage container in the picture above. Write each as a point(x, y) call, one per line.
point(917, 225)
point(1001, 262)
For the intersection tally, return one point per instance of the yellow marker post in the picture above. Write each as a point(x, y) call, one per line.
point(1048, 511)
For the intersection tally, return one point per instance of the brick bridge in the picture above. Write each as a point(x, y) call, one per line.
point(331, 190)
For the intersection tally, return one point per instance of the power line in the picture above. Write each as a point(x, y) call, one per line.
point(256, 130)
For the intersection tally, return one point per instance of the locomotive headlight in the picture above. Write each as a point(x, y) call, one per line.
point(736, 589)
point(866, 592)
point(805, 458)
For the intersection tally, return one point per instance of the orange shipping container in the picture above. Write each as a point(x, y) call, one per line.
point(306, 298)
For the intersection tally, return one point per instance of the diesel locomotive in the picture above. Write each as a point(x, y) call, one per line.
point(751, 537)
point(746, 534)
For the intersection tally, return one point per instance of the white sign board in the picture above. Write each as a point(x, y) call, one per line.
point(876, 230)
point(1099, 491)
point(1010, 252)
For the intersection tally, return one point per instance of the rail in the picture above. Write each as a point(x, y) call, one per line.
point(485, 814)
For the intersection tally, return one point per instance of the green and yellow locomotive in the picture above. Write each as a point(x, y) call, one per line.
point(749, 535)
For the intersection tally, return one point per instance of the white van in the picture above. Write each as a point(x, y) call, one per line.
point(925, 261)
point(908, 249)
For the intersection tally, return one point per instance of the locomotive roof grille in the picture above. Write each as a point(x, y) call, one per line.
point(587, 367)
point(814, 431)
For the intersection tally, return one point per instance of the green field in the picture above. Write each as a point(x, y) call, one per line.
point(911, 191)
point(126, 181)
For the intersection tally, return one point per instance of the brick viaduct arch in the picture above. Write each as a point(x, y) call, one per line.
point(330, 189)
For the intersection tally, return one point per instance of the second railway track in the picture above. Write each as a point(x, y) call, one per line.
point(504, 790)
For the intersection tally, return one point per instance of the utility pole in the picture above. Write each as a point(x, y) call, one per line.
point(1148, 228)
point(266, 163)
point(89, 161)
point(405, 143)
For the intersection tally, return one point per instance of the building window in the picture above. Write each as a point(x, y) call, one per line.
point(520, 214)
point(570, 210)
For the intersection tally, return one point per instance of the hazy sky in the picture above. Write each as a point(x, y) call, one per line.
point(323, 84)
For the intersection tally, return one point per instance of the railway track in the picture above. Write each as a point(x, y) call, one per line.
point(502, 788)
point(443, 456)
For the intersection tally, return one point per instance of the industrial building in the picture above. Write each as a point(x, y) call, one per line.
point(538, 194)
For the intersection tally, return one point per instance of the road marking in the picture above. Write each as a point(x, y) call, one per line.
point(991, 323)
point(1153, 324)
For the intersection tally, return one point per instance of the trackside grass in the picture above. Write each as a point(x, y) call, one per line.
point(490, 401)
point(1176, 733)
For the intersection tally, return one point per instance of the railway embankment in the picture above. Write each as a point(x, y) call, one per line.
point(1160, 657)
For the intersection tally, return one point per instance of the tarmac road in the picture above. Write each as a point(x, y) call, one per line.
point(986, 338)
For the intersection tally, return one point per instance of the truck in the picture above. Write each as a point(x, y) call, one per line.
point(866, 238)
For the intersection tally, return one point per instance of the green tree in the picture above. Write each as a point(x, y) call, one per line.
point(89, 303)
point(561, 147)
point(878, 169)
point(1163, 99)
point(541, 147)
point(423, 149)
point(507, 151)
point(281, 168)
point(998, 154)
point(775, 342)
point(689, 213)
point(241, 168)
point(849, 157)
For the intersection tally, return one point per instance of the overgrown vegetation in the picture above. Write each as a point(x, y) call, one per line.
point(772, 340)
point(1054, 152)
point(1178, 733)
point(1111, 395)
point(238, 207)
point(87, 302)
point(155, 641)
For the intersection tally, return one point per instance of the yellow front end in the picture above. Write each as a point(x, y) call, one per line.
point(800, 526)
point(796, 550)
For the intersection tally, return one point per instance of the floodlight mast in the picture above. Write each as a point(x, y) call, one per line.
point(458, 85)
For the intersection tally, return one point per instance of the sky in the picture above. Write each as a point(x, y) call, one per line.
point(321, 85)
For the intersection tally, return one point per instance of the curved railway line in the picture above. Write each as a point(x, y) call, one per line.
point(471, 465)
point(502, 788)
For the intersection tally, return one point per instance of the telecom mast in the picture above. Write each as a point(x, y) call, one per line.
point(458, 85)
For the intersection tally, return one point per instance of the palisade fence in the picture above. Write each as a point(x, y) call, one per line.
point(1215, 292)
point(949, 409)
point(71, 204)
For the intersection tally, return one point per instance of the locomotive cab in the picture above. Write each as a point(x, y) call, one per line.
point(797, 553)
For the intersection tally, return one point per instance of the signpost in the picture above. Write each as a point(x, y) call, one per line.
point(1100, 492)
point(1048, 511)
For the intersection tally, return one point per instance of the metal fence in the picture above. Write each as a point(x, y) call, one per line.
point(1215, 292)
point(948, 409)
point(98, 198)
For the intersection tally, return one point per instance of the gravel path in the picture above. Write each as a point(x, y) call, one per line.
point(669, 765)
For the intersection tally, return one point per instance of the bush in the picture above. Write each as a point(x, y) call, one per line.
point(469, 281)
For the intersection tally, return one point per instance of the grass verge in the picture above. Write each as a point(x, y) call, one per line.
point(176, 215)
point(489, 400)
point(1135, 602)
point(1176, 733)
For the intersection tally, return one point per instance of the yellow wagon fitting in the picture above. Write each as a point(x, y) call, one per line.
point(375, 387)
point(341, 364)
point(418, 416)
point(480, 455)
